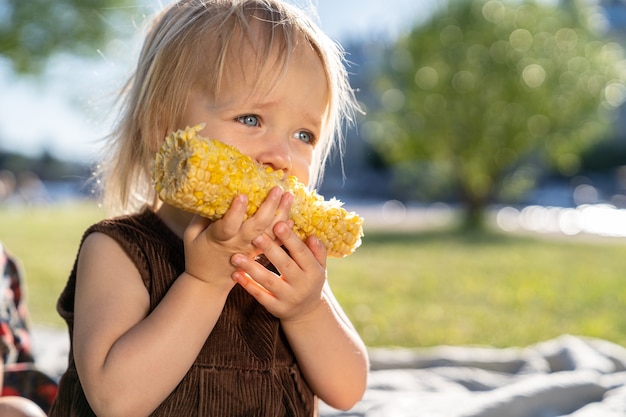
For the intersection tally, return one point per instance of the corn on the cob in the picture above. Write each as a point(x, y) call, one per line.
point(203, 176)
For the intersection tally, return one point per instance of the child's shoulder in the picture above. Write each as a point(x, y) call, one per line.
point(134, 230)
point(145, 219)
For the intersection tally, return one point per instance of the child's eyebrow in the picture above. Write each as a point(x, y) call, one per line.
point(315, 122)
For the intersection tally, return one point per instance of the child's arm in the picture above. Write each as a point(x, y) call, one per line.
point(130, 359)
point(331, 354)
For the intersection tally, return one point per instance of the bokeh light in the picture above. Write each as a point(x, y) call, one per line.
point(594, 219)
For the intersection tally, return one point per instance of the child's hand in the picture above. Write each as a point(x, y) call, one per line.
point(302, 265)
point(210, 245)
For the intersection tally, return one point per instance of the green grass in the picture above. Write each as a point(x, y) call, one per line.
point(405, 289)
point(45, 240)
point(425, 289)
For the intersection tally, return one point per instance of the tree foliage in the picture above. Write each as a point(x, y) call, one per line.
point(31, 31)
point(483, 93)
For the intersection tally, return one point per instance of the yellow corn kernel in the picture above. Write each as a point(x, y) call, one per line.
point(203, 176)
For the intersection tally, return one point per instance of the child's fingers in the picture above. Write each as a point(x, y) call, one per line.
point(275, 208)
point(274, 253)
point(299, 252)
point(258, 281)
point(251, 286)
point(302, 276)
point(318, 249)
point(234, 216)
point(282, 213)
point(267, 209)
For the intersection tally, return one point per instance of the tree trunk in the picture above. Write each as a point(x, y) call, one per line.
point(473, 214)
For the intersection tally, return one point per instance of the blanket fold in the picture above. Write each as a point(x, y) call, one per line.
point(566, 376)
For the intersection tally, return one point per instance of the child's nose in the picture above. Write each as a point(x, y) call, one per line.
point(276, 154)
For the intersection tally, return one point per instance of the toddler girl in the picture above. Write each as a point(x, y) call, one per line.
point(171, 314)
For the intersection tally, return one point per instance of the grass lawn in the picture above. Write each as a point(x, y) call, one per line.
point(426, 289)
point(406, 289)
point(45, 239)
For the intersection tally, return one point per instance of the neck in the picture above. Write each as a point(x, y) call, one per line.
point(176, 219)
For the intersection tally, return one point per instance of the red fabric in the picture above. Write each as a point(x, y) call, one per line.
point(21, 378)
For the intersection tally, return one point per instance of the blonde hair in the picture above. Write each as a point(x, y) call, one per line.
point(188, 45)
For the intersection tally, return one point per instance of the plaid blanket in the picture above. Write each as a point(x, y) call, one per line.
point(21, 377)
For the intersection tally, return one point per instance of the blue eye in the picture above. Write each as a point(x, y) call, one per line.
point(248, 120)
point(306, 137)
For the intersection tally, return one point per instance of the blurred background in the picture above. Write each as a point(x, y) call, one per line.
point(509, 106)
point(489, 163)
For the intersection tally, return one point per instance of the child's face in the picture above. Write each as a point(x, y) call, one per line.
point(277, 127)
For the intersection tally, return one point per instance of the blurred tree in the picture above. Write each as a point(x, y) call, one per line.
point(479, 98)
point(33, 30)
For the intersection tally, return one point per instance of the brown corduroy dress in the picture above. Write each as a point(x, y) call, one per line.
point(245, 368)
